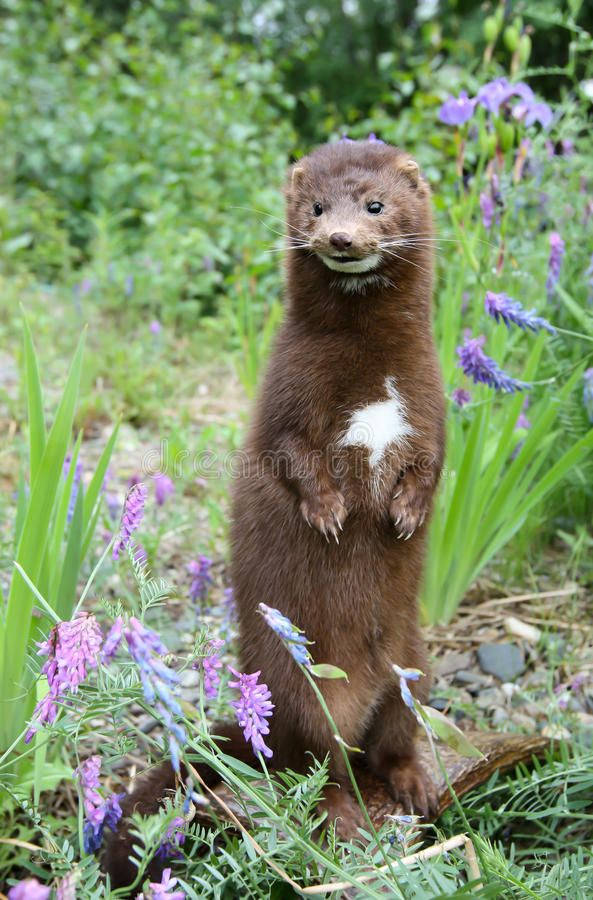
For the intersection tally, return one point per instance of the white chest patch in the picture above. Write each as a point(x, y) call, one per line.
point(378, 425)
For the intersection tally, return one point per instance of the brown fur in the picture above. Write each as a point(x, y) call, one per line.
point(354, 596)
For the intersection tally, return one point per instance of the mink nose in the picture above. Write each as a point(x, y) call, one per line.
point(340, 240)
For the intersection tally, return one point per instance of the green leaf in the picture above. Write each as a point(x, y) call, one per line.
point(325, 670)
point(449, 733)
point(34, 404)
point(30, 554)
point(63, 602)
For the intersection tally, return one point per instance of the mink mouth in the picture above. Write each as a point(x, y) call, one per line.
point(350, 265)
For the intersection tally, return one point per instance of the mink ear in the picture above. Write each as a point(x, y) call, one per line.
point(297, 176)
point(411, 169)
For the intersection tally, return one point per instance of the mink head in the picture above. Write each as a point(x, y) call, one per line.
point(360, 209)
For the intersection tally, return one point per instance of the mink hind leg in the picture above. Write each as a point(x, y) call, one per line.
point(391, 754)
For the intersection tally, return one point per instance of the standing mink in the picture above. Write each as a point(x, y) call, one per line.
point(343, 458)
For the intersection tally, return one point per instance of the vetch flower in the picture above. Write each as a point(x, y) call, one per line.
point(461, 397)
point(160, 890)
point(293, 638)
point(131, 517)
point(504, 309)
point(252, 709)
point(29, 889)
point(112, 641)
point(163, 488)
point(172, 841)
point(487, 208)
point(554, 261)
point(457, 110)
point(66, 887)
point(155, 327)
point(200, 571)
point(374, 139)
point(522, 420)
point(588, 393)
point(129, 285)
point(210, 665)
point(99, 811)
point(483, 369)
point(75, 482)
point(404, 676)
point(158, 680)
point(72, 648)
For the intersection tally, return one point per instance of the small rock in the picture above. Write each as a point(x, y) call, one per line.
point(489, 698)
point(474, 680)
point(440, 703)
point(525, 722)
point(452, 662)
point(520, 629)
point(499, 716)
point(505, 661)
point(556, 733)
point(189, 678)
point(508, 689)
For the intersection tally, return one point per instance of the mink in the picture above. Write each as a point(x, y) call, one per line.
point(342, 459)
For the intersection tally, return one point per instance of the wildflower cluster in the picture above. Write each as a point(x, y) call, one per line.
point(252, 709)
point(483, 369)
point(158, 680)
point(201, 578)
point(503, 308)
point(294, 640)
point(494, 96)
point(131, 517)
point(99, 812)
point(210, 665)
point(72, 649)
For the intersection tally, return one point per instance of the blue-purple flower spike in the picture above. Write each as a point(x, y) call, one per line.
point(252, 708)
point(131, 517)
point(294, 640)
point(504, 309)
point(483, 369)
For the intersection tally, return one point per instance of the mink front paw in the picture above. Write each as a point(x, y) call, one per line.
point(409, 505)
point(326, 512)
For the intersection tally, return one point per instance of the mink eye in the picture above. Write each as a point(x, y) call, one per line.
point(374, 208)
point(317, 209)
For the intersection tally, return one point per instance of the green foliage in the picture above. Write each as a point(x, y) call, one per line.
point(49, 549)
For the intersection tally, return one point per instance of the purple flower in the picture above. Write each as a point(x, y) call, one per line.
point(86, 286)
point(159, 890)
point(112, 641)
point(131, 518)
point(589, 275)
point(210, 664)
point(346, 140)
point(29, 889)
point(503, 308)
point(201, 578)
point(522, 420)
point(72, 649)
point(488, 209)
point(293, 638)
point(252, 709)
point(554, 261)
point(404, 676)
point(173, 839)
point(129, 285)
point(163, 488)
point(66, 887)
point(483, 369)
point(158, 681)
point(588, 393)
point(497, 93)
point(75, 482)
point(457, 110)
point(374, 139)
point(155, 327)
point(461, 397)
point(530, 112)
point(99, 812)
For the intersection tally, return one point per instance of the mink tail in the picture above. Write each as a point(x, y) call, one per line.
point(146, 799)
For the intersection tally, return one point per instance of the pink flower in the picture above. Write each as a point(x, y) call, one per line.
point(29, 889)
